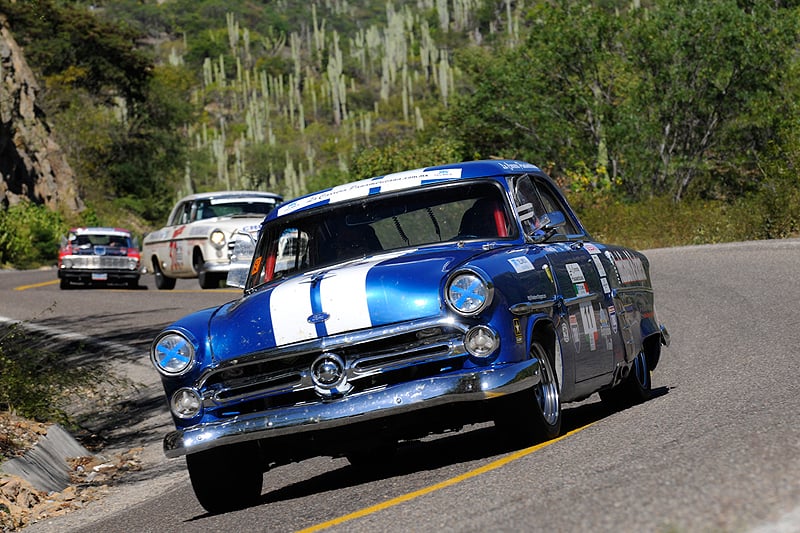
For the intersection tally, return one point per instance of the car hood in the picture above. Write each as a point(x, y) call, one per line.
point(374, 291)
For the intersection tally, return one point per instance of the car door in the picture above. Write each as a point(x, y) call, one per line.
point(584, 319)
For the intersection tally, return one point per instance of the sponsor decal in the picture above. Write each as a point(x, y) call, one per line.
point(612, 317)
point(606, 288)
point(629, 267)
point(576, 339)
point(605, 325)
point(591, 248)
point(589, 325)
point(575, 273)
point(517, 331)
point(581, 289)
point(598, 264)
point(363, 188)
point(521, 264)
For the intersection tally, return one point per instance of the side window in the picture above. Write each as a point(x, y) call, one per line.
point(535, 199)
point(181, 214)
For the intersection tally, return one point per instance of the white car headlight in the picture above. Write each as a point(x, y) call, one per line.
point(468, 293)
point(172, 354)
point(217, 238)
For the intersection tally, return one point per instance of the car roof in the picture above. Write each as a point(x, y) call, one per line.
point(96, 230)
point(405, 180)
point(231, 194)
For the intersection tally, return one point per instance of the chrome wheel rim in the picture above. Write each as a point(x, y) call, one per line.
point(546, 392)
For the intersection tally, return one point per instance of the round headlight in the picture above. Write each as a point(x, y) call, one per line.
point(172, 354)
point(468, 293)
point(67, 263)
point(217, 238)
point(186, 403)
point(481, 341)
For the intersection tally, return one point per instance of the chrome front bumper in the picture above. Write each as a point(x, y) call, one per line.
point(464, 386)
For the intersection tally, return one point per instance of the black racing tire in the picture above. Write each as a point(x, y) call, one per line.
point(64, 284)
point(207, 280)
point(634, 389)
point(227, 478)
point(534, 415)
point(163, 283)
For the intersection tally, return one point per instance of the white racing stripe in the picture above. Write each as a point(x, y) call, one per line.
point(344, 298)
point(290, 307)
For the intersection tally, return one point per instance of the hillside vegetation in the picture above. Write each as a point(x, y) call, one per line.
point(675, 120)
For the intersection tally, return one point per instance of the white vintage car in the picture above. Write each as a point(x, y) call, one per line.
point(194, 243)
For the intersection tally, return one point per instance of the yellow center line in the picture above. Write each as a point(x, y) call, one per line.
point(438, 486)
point(34, 285)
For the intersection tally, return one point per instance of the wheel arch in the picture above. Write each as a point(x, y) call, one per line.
point(651, 346)
point(543, 329)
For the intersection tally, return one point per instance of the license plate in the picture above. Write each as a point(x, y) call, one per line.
point(100, 277)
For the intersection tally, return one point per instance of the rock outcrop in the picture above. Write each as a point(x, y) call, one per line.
point(32, 165)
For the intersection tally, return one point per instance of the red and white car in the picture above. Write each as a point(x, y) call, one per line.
point(95, 255)
point(194, 243)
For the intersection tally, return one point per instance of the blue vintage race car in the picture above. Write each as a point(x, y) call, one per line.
point(396, 307)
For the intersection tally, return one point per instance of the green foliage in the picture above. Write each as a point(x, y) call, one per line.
point(679, 97)
point(403, 156)
point(35, 381)
point(29, 235)
point(632, 102)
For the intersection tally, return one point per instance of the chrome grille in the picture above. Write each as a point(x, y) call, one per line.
point(374, 359)
point(120, 262)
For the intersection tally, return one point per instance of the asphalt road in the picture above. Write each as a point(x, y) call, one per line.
point(718, 448)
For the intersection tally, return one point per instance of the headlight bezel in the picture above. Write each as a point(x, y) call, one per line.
point(163, 340)
point(469, 277)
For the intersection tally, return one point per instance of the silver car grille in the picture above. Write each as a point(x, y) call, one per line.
point(120, 262)
point(373, 360)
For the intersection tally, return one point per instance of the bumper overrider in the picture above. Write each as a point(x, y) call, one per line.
point(402, 398)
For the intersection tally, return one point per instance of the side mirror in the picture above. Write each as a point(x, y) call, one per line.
point(548, 225)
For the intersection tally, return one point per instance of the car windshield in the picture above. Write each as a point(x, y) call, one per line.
point(375, 224)
point(235, 207)
point(90, 240)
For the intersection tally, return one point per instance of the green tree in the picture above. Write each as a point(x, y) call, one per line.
point(709, 92)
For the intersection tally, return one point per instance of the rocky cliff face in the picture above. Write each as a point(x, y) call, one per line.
point(32, 164)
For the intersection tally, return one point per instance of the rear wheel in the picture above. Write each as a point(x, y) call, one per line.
point(634, 389)
point(535, 415)
point(162, 282)
point(226, 478)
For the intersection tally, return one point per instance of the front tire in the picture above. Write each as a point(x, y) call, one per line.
point(535, 414)
point(207, 280)
point(227, 478)
point(163, 283)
